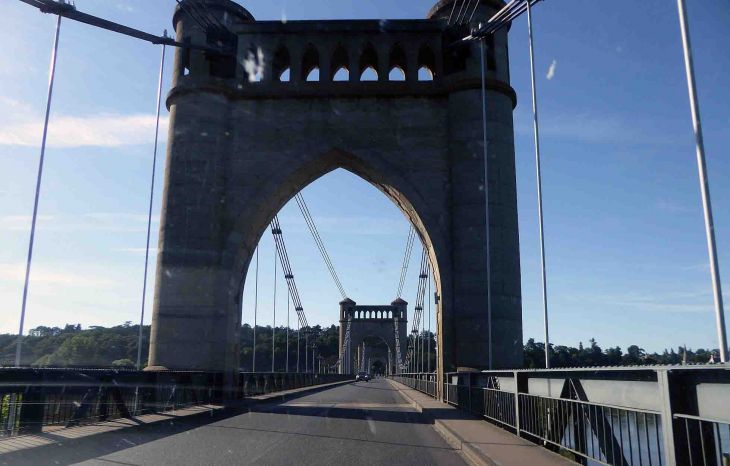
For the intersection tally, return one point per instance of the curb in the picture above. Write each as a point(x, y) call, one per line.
point(247, 402)
point(471, 453)
point(276, 397)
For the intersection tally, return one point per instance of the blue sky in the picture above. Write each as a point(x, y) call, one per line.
point(625, 241)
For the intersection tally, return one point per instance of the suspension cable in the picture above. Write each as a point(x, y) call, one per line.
point(406, 260)
point(418, 310)
point(255, 307)
point(288, 274)
point(210, 14)
point(318, 240)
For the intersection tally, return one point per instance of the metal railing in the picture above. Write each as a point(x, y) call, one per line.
point(609, 434)
point(645, 415)
point(616, 416)
point(714, 439)
point(423, 382)
point(31, 399)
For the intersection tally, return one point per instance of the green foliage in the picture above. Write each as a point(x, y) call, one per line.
point(117, 347)
point(564, 356)
point(73, 346)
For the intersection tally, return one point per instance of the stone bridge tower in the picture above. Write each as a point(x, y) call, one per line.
point(373, 321)
point(242, 142)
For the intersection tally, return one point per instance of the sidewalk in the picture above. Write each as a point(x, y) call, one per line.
point(56, 434)
point(481, 442)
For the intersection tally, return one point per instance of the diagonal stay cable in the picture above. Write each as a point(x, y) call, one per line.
point(418, 310)
point(201, 14)
point(207, 10)
point(406, 260)
point(190, 12)
point(318, 241)
point(288, 274)
point(286, 265)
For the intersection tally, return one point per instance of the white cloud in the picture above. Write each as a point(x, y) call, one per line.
point(551, 71)
point(668, 205)
point(349, 225)
point(135, 250)
point(22, 222)
point(88, 222)
point(592, 128)
point(100, 130)
point(45, 274)
point(699, 300)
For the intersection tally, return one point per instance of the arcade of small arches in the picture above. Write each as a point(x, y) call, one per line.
point(376, 314)
point(368, 64)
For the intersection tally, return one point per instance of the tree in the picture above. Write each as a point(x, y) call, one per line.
point(123, 363)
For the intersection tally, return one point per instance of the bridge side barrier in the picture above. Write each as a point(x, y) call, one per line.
point(643, 415)
point(33, 398)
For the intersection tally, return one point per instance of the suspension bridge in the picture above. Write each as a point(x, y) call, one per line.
point(243, 94)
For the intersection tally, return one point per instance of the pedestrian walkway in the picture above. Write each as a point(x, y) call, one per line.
point(483, 443)
point(57, 434)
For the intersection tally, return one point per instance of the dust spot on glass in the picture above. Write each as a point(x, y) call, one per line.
point(227, 133)
point(253, 64)
point(481, 187)
point(240, 86)
point(383, 25)
point(167, 273)
point(204, 134)
point(283, 16)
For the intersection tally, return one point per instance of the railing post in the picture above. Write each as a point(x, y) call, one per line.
point(517, 403)
point(670, 458)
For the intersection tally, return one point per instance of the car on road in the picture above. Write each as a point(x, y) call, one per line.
point(362, 376)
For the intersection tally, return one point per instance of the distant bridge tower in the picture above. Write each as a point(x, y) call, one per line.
point(242, 143)
point(372, 321)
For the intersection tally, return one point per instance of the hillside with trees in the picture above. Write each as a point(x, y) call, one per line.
point(117, 347)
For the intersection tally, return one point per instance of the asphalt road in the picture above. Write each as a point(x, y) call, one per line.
point(363, 423)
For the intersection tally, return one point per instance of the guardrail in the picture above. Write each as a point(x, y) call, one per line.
point(423, 382)
point(661, 415)
point(33, 398)
point(642, 415)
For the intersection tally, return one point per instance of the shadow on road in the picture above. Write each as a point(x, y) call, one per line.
point(362, 414)
point(65, 451)
point(335, 437)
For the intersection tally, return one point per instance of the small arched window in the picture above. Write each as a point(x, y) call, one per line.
point(396, 74)
point(282, 63)
point(369, 64)
point(310, 64)
point(397, 63)
point(426, 63)
point(340, 65)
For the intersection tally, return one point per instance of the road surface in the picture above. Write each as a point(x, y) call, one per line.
point(362, 423)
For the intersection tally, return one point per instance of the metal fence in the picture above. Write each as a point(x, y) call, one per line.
point(647, 415)
point(423, 382)
point(609, 434)
point(714, 436)
point(33, 398)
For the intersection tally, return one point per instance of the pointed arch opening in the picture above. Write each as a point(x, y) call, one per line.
point(281, 64)
point(369, 64)
point(397, 63)
point(426, 63)
point(340, 65)
point(310, 64)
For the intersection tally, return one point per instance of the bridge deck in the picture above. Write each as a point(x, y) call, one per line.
point(361, 423)
point(480, 441)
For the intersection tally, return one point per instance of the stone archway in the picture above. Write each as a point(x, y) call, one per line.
point(238, 151)
point(372, 322)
